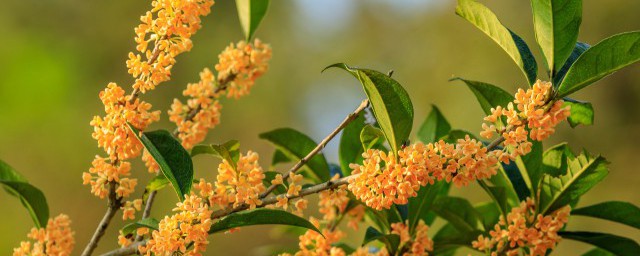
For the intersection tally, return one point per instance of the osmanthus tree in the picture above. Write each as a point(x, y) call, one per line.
point(384, 182)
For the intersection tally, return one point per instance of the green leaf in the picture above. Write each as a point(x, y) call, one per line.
point(269, 176)
point(279, 157)
point(459, 212)
point(448, 238)
point(557, 23)
point(488, 95)
point(490, 214)
point(554, 161)
point(229, 151)
point(157, 183)
point(455, 135)
point(350, 149)
point(580, 178)
point(601, 60)
point(174, 161)
point(370, 136)
point(390, 103)
point(581, 113)
point(130, 228)
point(621, 212)
point(390, 240)
point(529, 166)
point(31, 197)
point(434, 127)
point(297, 145)
point(578, 50)
point(617, 245)
point(251, 13)
point(348, 250)
point(485, 20)
point(598, 252)
point(420, 205)
point(261, 216)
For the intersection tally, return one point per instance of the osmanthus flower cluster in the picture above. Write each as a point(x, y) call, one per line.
point(238, 67)
point(168, 27)
point(387, 178)
point(419, 244)
point(524, 229)
point(293, 190)
point(55, 239)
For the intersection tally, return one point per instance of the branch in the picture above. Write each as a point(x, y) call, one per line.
point(114, 205)
point(128, 250)
point(320, 146)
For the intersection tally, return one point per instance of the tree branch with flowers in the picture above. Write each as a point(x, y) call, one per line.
point(394, 187)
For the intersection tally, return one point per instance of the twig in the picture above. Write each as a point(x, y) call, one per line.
point(128, 250)
point(147, 210)
point(114, 204)
point(320, 146)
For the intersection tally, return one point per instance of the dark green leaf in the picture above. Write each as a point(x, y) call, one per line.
point(554, 161)
point(621, 212)
point(370, 136)
point(517, 180)
point(297, 145)
point(530, 165)
point(448, 239)
point(485, 20)
point(350, 149)
point(251, 13)
point(578, 50)
point(459, 212)
point(455, 135)
point(434, 127)
point(390, 240)
point(390, 103)
point(488, 95)
point(581, 113)
point(174, 161)
point(617, 245)
point(598, 252)
point(601, 60)
point(31, 197)
point(558, 192)
point(130, 228)
point(420, 205)
point(261, 216)
point(556, 23)
point(490, 214)
point(279, 157)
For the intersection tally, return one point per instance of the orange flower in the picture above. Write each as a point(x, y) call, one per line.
point(55, 239)
point(103, 172)
point(240, 185)
point(420, 243)
point(240, 65)
point(129, 209)
point(524, 229)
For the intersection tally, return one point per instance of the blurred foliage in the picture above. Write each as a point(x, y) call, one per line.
point(58, 54)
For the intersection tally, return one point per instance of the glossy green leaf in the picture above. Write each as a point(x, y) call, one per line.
point(261, 216)
point(350, 149)
point(621, 212)
point(581, 113)
point(174, 161)
point(459, 212)
point(130, 228)
point(229, 151)
point(489, 96)
point(601, 60)
point(530, 165)
point(251, 13)
point(31, 197)
point(556, 23)
point(485, 20)
point(390, 103)
point(578, 50)
point(297, 145)
point(580, 178)
point(617, 245)
point(370, 136)
point(448, 239)
point(434, 127)
point(489, 213)
point(279, 158)
point(390, 240)
point(420, 205)
point(515, 176)
point(598, 252)
point(554, 161)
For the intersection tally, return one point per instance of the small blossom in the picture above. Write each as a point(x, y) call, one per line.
point(55, 239)
point(240, 185)
point(240, 65)
point(105, 171)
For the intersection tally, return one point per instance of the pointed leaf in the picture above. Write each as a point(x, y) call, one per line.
point(581, 113)
point(617, 245)
point(485, 20)
point(434, 127)
point(598, 252)
point(297, 145)
point(601, 60)
point(390, 240)
point(390, 103)
point(131, 228)
point(251, 13)
point(31, 197)
point(554, 160)
point(228, 151)
point(174, 161)
point(556, 23)
point(350, 149)
point(279, 157)
point(370, 136)
point(488, 95)
point(459, 212)
point(621, 212)
point(578, 50)
point(261, 216)
point(420, 205)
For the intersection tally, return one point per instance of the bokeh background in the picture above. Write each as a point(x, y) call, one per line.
point(57, 55)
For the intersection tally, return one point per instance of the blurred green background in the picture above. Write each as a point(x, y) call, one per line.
point(57, 55)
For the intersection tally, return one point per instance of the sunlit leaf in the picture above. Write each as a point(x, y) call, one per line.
point(261, 216)
point(251, 13)
point(621, 212)
point(556, 23)
point(617, 245)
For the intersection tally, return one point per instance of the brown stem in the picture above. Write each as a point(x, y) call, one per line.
point(114, 205)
